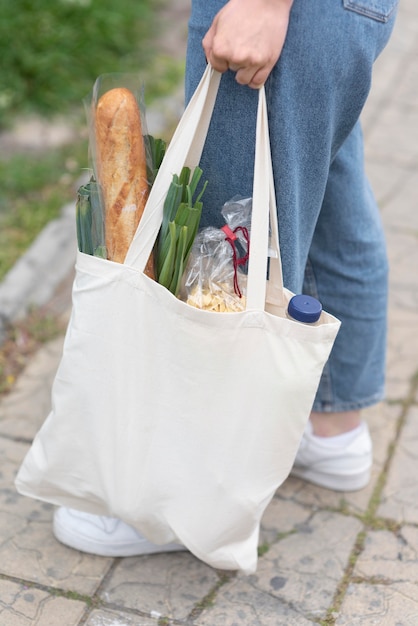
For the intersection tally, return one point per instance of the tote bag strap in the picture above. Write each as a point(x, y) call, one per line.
point(185, 148)
point(264, 214)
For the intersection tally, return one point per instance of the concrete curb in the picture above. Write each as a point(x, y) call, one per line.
point(36, 275)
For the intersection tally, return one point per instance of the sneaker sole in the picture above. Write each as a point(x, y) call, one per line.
point(84, 544)
point(335, 483)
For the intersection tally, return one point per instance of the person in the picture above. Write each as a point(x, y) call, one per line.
point(315, 60)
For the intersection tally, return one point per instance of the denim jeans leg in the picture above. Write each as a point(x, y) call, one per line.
point(347, 270)
point(315, 95)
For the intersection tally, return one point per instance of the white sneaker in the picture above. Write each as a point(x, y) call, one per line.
point(104, 536)
point(341, 463)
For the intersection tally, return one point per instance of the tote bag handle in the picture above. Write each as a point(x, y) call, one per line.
point(185, 148)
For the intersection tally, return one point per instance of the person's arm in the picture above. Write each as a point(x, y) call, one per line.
point(247, 36)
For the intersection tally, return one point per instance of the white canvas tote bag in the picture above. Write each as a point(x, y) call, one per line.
point(180, 421)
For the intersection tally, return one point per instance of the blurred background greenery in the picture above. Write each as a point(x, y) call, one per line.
point(52, 51)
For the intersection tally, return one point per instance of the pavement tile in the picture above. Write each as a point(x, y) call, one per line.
point(403, 254)
point(390, 557)
point(23, 411)
point(400, 494)
point(28, 549)
point(241, 605)
point(281, 516)
point(161, 584)
point(302, 570)
point(399, 214)
point(387, 180)
point(33, 554)
point(393, 88)
point(406, 93)
point(105, 617)
point(388, 69)
point(383, 422)
point(380, 605)
point(21, 605)
point(395, 143)
point(402, 362)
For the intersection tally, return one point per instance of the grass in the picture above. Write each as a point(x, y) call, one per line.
point(32, 192)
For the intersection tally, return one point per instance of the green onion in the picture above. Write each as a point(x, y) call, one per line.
point(181, 218)
point(157, 149)
point(90, 221)
point(84, 221)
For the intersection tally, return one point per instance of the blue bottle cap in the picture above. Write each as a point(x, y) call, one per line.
point(305, 309)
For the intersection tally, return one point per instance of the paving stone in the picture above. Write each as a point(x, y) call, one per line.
point(399, 216)
point(406, 93)
point(390, 557)
point(386, 69)
point(387, 180)
point(403, 253)
point(241, 605)
point(394, 86)
point(402, 352)
point(394, 143)
point(403, 298)
point(400, 494)
point(105, 617)
point(382, 420)
point(21, 605)
point(23, 411)
point(301, 572)
point(33, 554)
point(28, 549)
point(161, 584)
point(35, 277)
point(380, 605)
point(392, 105)
point(282, 516)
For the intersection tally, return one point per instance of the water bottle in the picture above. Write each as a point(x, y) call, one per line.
point(305, 309)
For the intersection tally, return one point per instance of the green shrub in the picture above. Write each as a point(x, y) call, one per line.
point(53, 50)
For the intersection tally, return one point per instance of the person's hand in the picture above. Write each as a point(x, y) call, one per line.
point(247, 36)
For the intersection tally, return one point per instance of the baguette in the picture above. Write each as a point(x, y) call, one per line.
point(121, 170)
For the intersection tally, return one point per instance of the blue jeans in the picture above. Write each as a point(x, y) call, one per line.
point(331, 238)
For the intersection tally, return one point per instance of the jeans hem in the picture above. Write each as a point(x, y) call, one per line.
point(339, 407)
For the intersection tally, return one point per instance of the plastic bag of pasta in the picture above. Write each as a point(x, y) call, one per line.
point(215, 277)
